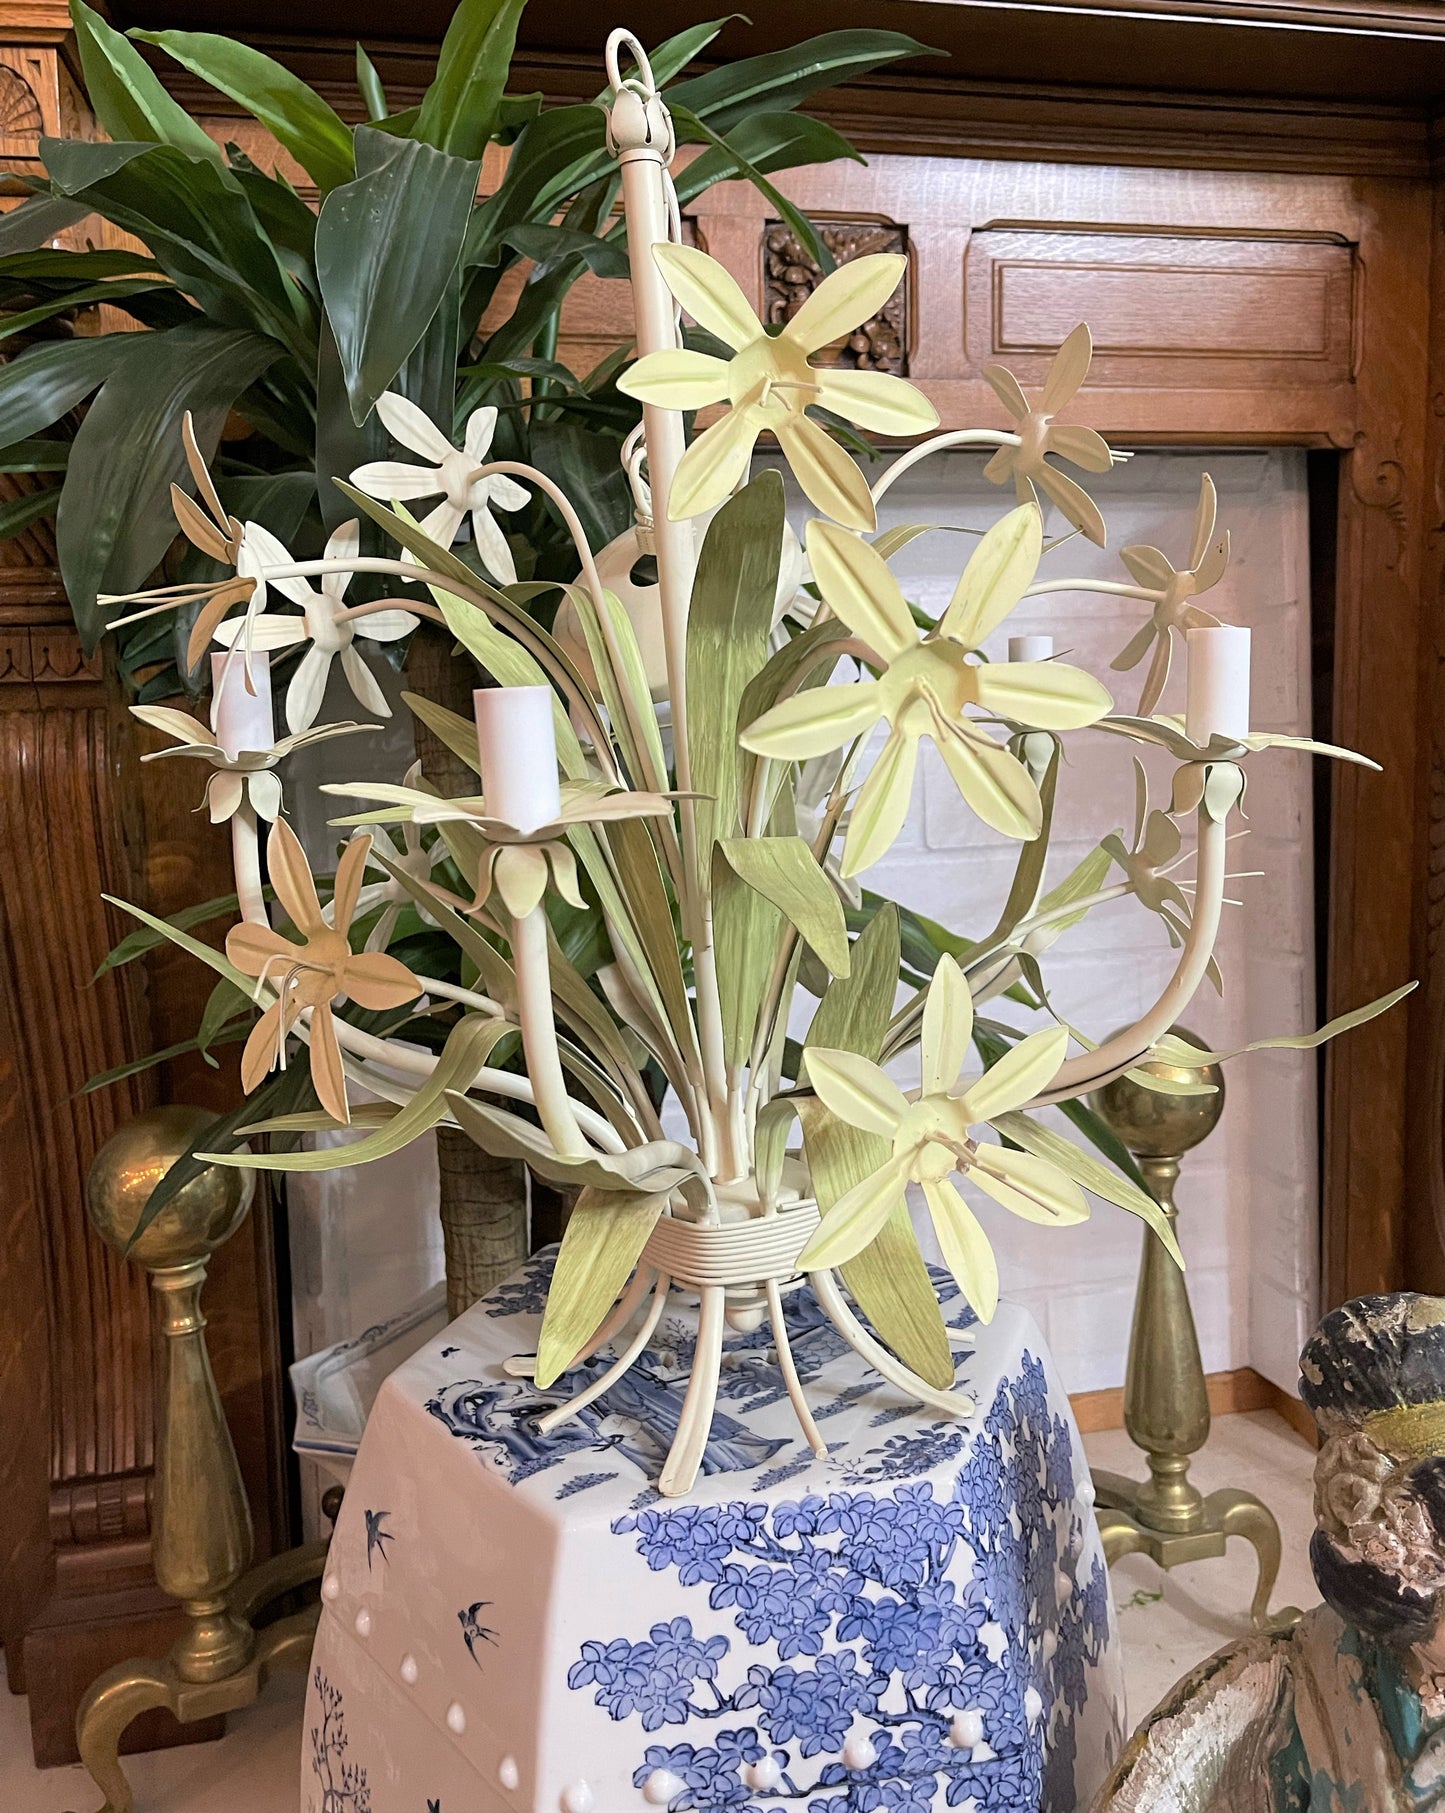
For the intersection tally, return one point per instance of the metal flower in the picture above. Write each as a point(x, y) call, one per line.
point(413, 858)
point(1146, 862)
point(1191, 782)
point(514, 862)
point(770, 384)
point(250, 773)
point(314, 972)
point(454, 474)
point(1173, 588)
point(329, 634)
point(932, 1138)
point(1039, 435)
point(926, 685)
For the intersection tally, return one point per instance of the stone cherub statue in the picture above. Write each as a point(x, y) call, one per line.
point(1345, 1712)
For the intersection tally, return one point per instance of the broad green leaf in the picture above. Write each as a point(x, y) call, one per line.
point(35, 456)
point(559, 153)
point(784, 870)
point(888, 1279)
point(460, 109)
point(674, 54)
point(224, 1003)
point(224, 906)
point(548, 245)
point(617, 661)
point(37, 221)
point(126, 95)
point(1171, 1049)
point(782, 79)
point(115, 519)
point(1044, 1142)
point(727, 645)
point(639, 878)
point(387, 246)
point(659, 1166)
point(173, 934)
point(469, 1046)
point(45, 382)
point(295, 115)
point(746, 927)
point(782, 141)
point(135, 1066)
point(368, 84)
point(17, 513)
point(114, 293)
point(599, 1251)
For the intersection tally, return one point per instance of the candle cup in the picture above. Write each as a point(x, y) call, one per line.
point(517, 744)
point(1030, 648)
point(242, 717)
point(1218, 697)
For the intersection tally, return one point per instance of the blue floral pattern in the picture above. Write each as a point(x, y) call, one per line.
point(872, 1618)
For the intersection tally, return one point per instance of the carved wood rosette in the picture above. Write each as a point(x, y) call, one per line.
point(790, 276)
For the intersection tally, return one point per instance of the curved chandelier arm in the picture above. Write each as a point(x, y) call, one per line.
point(940, 443)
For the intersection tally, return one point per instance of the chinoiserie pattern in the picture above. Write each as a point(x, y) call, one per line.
point(921, 1620)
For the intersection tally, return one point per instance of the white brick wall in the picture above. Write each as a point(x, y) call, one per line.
point(1249, 1195)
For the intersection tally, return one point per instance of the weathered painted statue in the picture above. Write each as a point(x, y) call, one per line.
point(1345, 1713)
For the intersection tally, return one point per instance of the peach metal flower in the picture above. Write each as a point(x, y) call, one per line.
point(770, 384)
point(927, 684)
point(329, 634)
point(454, 474)
point(251, 773)
point(515, 862)
point(314, 972)
point(1039, 435)
point(1173, 588)
point(932, 1138)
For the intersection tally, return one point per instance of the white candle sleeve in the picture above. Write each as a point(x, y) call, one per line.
point(1218, 698)
point(1030, 648)
point(517, 744)
point(242, 717)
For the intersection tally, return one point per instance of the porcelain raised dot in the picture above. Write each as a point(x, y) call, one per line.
point(660, 1787)
point(764, 1774)
point(508, 1774)
point(858, 1752)
point(456, 1718)
point(966, 1729)
point(577, 1797)
point(409, 1670)
point(330, 1588)
point(363, 1623)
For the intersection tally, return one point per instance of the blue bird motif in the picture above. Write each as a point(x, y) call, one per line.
point(376, 1537)
point(474, 1632)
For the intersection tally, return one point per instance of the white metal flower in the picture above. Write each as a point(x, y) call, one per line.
point(770, 384)
point(248, 774)
point(1173, 590)
point(410, 856)
point(321, 624)
point(454, 475)
point(932, 1137)
point(1039, 435)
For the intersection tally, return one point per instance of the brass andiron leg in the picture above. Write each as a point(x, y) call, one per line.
point(1166, 1400)
point(202, 1524)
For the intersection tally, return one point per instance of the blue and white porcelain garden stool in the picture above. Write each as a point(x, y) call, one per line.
point(517, 1624)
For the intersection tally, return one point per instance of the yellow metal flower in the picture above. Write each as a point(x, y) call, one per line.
point(770, 384)
point(315, 971)
point(250, 773)
point(932, 1138)
point(1039, 435)
point(927, 684)
point(1173, 589)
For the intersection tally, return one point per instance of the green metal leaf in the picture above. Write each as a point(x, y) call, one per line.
point(115, 519)
point(746, 927)
point(1171, 1049)
point(601, 1247)
point(295, 115)
point(126, 95)
point(387, 246)
point(784, 871)
point(459, 111)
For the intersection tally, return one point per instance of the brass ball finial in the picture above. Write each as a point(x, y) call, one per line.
point(1153, 1125)
point(201, 1216)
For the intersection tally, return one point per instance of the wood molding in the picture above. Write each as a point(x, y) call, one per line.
point(1229, 1393)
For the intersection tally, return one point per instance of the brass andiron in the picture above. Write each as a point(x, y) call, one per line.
point(202, 1523)
point(1166, 1400)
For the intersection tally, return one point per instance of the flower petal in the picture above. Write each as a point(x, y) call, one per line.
point(998, 573)
point(813, 723)
point(965, 1247)
point(481, 426)
point(492, 546)
point(1158, 676)
point(307, 688)
point(291, 877)
point(712, 465)
point(1205, 512)
point(327, 1072)
point(1029, 1187)
point(269, 630)
point(346, 887)
point(1146, 566)
point(250, 947)
point(947, 1027)
point(376, 981)
point(506, 493)
point(1135, 649)
point(363, 682)
point(1009, 392)
point(1068, 371)
point(1045, 695)
point(262, 553)
point(997, 788)
point(388, 479)
point(859, 585)
point(178, 724)
point(519, 875)
point(882, 806)
point(1082, 447)
point(224, 793)
point(677, 380)
point(264, 790)
point(857, 1091)
point(876, 400)
point(1017, 1077)
point(385, 626)
point(845, 299)
point(1072, 500)
point(710, 294)
point(828, 475)
point(412, 426)
point(344, 544)
point(856, 1217)
point(261, 1048)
